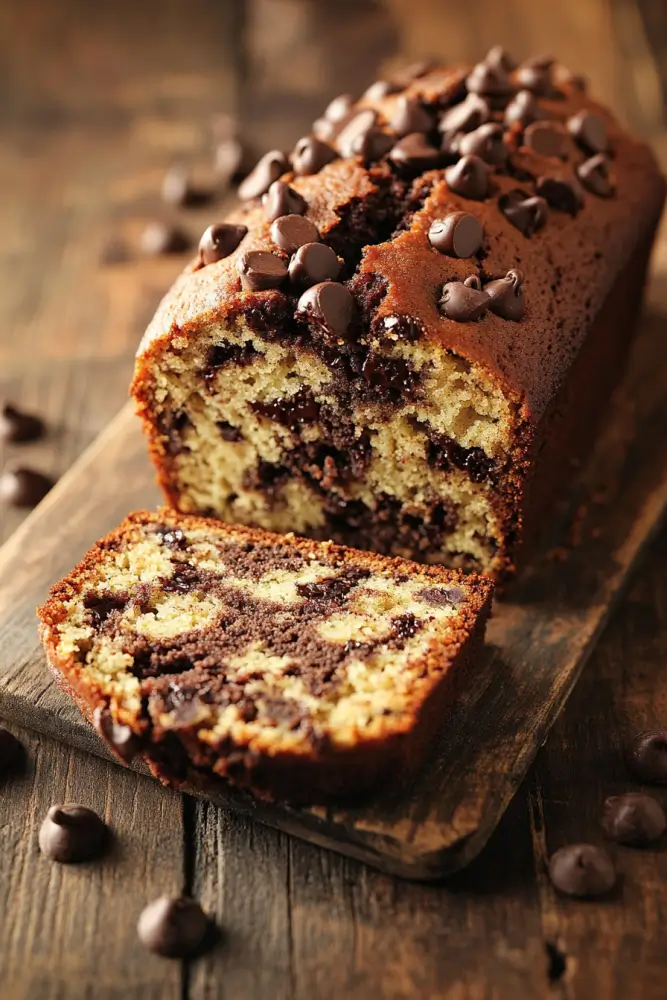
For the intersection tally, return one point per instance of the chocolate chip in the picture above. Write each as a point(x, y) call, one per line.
point(535, 75)
point(229, 160)
point(290, 232)
point(173, 927)
point(469, 178)
point(522, 109)
point(561, 190)
point(582, 870)
point(440, 597)
point(527, 213)
point(410, 116)
point(124, 743)
point(633, 818)
point(485, 142)
point(163, 237)
point(546, 139)
point(589, 131)
point(372, 145)
point(313, 263)
point(176, 188)
point(219, 241)
point(281, 199)
point(463, 302)
point(71, 833)
point(596, 176)
point(414, 152)
point(329, 304)
point(353, 136)
point(647, 756)
point(488, 80)
point(24, 487)
point(10, 749)
point(466, 116)
point(260, 270)
point(337, 109)
point(228, 432)
point(271, 166)
point(506, 297)
point(459, 234)
point(384, 372)
point(402, 328)
point(499, 58)
point(310, 155)
point(292, 411)
point(381, 89)
point(323, 129)
point(18, 427)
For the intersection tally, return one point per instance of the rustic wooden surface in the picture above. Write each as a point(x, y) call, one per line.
point(95, 100)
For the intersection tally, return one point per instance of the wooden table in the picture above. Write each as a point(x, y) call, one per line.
point(95, 101)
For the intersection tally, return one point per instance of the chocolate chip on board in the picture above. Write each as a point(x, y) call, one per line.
point(174, 927)
point(289, 232)
point(633, 818)
point(19, 427)
point(71, 833)
point(647, 756)
point(24, 487)
point(458, 234)
point(313, 263)
point(582, 870)
point(219, 241)
point(260, 270)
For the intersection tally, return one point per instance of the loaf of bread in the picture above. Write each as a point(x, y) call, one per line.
point(412, 326)
point(298, 669)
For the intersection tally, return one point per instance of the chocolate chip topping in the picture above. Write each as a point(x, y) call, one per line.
point(173, 927)
point(522, 109)
point(410, 116)
point(219, 241)
point(414, 152)
point(176, 187)
point(323, 129)
point(271, 166)
point(506, 297)
point(441, 597)
point(381, 89)
point(281, 199)
point(71, 833)
point(260, 270)
point(546, 139)
point(18, 427)
point(582, 870)
point(485, 142)
point(463, 301)
point(313, 263)
point(561, 190)
point(360, 137)
point(647, 756)
point(589, 131)
point(527, 213)
point(337, 109)
point(466, 116)
point(489, 80)
point(633, 818)
point(119, 738)
point(24, 487)
point(310, 155)
point(535, 75)
point(163, 237)
point(596, 176)
point(329, 304)
point(459, 234)
point(290, 232)
point(499, 58)
point(469, 178)
point(10, 748)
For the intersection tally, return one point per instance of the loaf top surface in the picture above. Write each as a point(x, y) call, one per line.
point(565, 197)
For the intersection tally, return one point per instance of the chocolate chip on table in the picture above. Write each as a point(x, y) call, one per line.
point(269, 169)
point(561, 190)
point(488, 80)
point(464, 301)
point(24, 487)
point(499, 58)
point(589, 131)
point(18, 427)
point(522, 109)
point(289, 232)
point(647, 756)
point(260, 270)
point(337, 109)
point(469, 178)
point(409, 116)
point(414, 152)
point(546, 139)
point(311, 264)
point(119, 738)
point(10, 748)
point(281, 199)
point(582, 870)
point(174, 927)
point(381, 89)
point(329, 304)
point(176, 186)
point(486, 142)
point(506, 298)
point(72, 833)
point(527, 213)
point(466, 116)
point(459, 234)
point(596, 176)
point(163, 237)
point(310, 155)
point(219, 241)
point(633, 818)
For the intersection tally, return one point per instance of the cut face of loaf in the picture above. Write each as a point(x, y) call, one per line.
point(421, 402)
point(295, 668)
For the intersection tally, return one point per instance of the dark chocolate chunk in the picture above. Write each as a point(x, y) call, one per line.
point(24, 487)
point(292, 411)
point(402, 328)
point(535, 75)
point(281, 199)
point(410, 116)
point(441, 597)
point(354, 130)
point(596, 176)
point(485, 142)
point(380, 89)
point(10, 748)
point(633, 818)
point(219, 241)
point(18, 427)
point(499, 58)
point(271, 166)
point(310, 155)
point(582, 870)
point(71, 833)
point(381, 371)
point(522, 109)
point(173, 927)
point(589, 131)
point(124, 743)
point(163, 237)
point(339, 108)
point(372, 145)
point(414, 152)
point(313, 263)
point(176, 187)
point(561, 190)
point(260, 270)
point(329, 304)
point(459, 234)
point(506, 297)
point(226, 353)
point(489, 80)
point(463, 302)
point(466, 116)
point(444, 453)
point(330, 588)
point(469, 178)
point(647, 756)
point(103, 605)
point(290, 232)
point(527, 213)
point(546, 139)
point(228, 432)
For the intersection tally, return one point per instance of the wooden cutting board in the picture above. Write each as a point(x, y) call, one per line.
point(538, 641)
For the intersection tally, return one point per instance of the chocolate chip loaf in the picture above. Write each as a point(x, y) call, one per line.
point(412, 327)
point(301, 670)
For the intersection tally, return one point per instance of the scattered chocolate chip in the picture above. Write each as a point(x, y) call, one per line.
point(271, 166)
point(506, 297)
point(561, 190)
point(337, 109)
point(219, 241)
point(522, 109)
point(163, 237)
point(229, 160)
point(459, 234)
point(485, 142)
point(633, 818)
point(582, 870)
point(414, 152)
point(24, 487)
point(589, 131)
point(596, 176)
point(281, 199)
point(466, 116)
point(173, 927)
point(488, 80)
point(176, 188)
point(17, 427)
point(410, 116)
point(372, 145)
point(329, 304)
point(310, 155)
point(260, 270)
point(469, 178)
point(313, 263)
point(10, 748)
point(124, 743)
point(527, 213)
point(647, 756)
point(546, 139)
point(71, 833)
point(499, 58)
point(535, 75)
point(463, 302)
point(381, 89)
point(351, 137)
point(290, 232)
point(440, 597)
